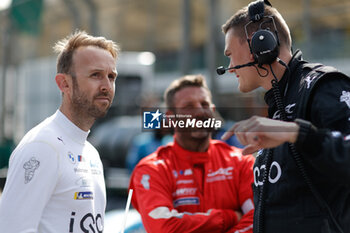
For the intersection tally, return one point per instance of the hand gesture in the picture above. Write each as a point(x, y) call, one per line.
point(261, 132)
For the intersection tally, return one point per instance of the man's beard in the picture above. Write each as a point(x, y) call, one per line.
point(199, 133)
point(82, 105)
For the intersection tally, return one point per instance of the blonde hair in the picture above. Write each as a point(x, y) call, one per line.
point(185, 81)
point(241, 18)
point(66, 47)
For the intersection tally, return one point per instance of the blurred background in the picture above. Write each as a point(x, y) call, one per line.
point(160, 40)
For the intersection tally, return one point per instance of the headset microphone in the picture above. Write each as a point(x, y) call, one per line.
point(221, 70)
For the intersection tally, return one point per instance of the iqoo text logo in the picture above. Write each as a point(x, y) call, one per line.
point(88, 223)
point(259, 173)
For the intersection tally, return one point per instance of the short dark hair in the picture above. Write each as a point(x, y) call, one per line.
point(241, 18)
point(197, 80)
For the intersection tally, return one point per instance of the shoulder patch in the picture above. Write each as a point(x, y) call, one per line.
point(345, 97)
point(30, 166)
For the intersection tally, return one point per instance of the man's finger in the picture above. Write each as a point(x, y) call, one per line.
point(250, 149)
point(227, 135)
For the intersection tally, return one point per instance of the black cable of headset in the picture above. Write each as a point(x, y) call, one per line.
point(263, 191)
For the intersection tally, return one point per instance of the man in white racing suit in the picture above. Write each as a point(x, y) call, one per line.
point(55, 179)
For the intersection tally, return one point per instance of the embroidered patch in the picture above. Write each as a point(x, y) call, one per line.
point(145, 181)
point(83, 195)
point(277, 115)
point(309, 79)
point(175, 174)
point(71, 157)
point(345, 97)
point(30, 167)
point(60, 139)
point(84, 182)
point(186, 201)
point(290, 108)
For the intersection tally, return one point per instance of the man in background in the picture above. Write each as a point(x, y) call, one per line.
point(195, 184)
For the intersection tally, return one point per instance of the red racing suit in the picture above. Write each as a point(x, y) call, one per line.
point(176, 190)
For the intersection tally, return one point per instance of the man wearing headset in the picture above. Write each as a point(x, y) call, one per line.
point(301, 174)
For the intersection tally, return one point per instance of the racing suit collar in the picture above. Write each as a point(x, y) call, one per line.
point(192, 156)
point(70, 128)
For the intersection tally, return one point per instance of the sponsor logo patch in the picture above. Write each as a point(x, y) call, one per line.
point(81, 158)
point(71, 157)
point(309, 79)
point(186, 201)
point(175, 174)
point(236, 154)
point(84, 182)
point(61, 140)
point(290, 108)
point(159, 161)
point(83, 196)
point(145, 181)
point(185, 192)
point(95, 164)
point(345, 97)
point(184, 182)
point(220, 174)
point(188, 172)
point(81, 170)
point(347, 138)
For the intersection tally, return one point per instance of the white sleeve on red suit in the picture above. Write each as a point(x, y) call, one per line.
point(245, 191)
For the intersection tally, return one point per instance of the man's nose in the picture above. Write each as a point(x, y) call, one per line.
point(106, 84)
point(201, 111)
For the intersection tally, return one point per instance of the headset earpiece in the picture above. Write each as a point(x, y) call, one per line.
point(264, 47)
point(264, 44)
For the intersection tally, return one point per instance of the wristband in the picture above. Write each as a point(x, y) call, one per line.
point(309, 138)
point(304, 129)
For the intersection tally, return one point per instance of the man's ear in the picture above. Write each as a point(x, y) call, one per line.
point(62, 82)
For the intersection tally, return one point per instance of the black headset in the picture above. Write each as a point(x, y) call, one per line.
point(264, 44)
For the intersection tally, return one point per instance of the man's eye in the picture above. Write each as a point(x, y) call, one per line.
point(205, 105)
point(111, 76)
